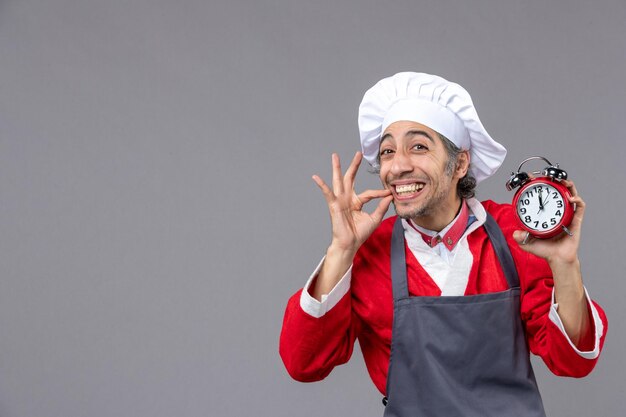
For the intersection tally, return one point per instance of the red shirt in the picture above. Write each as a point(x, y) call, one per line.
point(311, 347)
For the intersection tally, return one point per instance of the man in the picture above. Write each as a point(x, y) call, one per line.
point(447, 297)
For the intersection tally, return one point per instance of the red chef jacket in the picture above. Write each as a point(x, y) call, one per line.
point(312, 346)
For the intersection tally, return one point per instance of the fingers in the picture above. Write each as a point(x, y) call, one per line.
point(522, 237)
point(352, 170)
point(343, 186)
point(341, 182)
point(337, 176)
point(573, 191)
point(579, 214)
point(382, 208)
point(579, 204)
point(369, 195)
point(527, 243)
point(337, 180)
point(570, 185)
point(328, 194)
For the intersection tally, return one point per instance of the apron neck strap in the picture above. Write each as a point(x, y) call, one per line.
point(498, 241)
point(398, 262)
point(398, 257)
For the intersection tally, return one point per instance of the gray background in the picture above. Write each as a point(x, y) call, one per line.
point(156, 206)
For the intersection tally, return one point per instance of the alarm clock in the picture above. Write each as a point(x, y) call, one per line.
point(542, 202)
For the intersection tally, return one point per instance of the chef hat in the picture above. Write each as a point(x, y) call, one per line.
point(434, 102)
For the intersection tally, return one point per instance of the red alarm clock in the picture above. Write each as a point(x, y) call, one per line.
point(542, 202)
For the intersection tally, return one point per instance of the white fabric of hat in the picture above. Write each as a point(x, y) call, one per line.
point(430, 100)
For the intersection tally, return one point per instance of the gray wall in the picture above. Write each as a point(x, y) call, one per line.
point(156, 206)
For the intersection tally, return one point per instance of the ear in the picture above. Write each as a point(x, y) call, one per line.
point(462, 164)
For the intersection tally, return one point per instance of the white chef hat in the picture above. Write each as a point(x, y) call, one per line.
point(434, 102)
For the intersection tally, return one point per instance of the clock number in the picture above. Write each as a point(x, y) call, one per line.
point(536, 224)
point(559, 203)
point(553, 221)
point(522, 210)
point(544, 225)
point(529, 193)
point(538, 189)
point(555, 194)
point(527, 219)
point(558, 213)
point(524, 202)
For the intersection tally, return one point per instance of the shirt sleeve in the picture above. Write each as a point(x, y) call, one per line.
point(596, 323)
point(544, 329)
point(317, 336)
point(317, 308)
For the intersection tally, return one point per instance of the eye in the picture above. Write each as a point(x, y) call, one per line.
point(384, 152)
point(419, 147)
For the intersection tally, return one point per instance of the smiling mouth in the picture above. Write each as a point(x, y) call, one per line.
point(408, 189)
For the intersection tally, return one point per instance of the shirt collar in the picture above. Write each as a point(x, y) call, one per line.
point(451, 234)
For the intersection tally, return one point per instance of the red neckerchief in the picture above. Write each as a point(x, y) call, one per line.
point(453, 235)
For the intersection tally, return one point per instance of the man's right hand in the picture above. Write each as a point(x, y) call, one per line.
point(351, 226)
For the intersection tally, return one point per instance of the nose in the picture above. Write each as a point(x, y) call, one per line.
point(400, 164)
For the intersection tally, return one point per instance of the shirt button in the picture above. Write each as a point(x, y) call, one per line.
point(449, 241)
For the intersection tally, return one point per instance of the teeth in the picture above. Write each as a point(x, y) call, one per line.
point(409, 188)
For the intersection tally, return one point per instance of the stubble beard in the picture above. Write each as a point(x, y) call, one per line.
point(434, 202)
point(428, 207)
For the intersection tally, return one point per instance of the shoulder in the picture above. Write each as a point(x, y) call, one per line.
point(503, 214)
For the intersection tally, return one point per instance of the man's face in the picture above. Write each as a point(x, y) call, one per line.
point(413, 163)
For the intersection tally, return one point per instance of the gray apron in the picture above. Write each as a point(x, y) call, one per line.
point(459, 356)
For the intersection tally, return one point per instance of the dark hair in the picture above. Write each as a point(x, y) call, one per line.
point(466, 187)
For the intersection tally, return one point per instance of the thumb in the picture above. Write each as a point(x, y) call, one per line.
point(522, 237)
point(382, 208)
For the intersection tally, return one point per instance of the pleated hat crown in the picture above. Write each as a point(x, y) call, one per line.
point(430, 100)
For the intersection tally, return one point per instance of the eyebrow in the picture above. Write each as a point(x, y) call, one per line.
point(409, 134)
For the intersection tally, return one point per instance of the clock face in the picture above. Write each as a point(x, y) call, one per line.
point(541, 207)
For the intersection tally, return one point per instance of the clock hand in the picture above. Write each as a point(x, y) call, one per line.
point(540, 202)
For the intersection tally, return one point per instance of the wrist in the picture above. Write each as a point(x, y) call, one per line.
point(561, 263)
point(336, 263)
point(567, 276)
point(340, 254)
